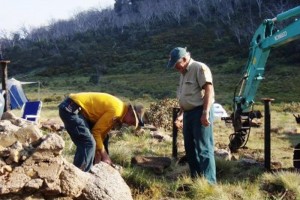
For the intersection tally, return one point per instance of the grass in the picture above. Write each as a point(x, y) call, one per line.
point(163, 83)
point(235, 179)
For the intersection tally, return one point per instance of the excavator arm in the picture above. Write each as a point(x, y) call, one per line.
point(264, 39)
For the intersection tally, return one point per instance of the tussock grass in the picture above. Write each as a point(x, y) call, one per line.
point(236, 180)
point(283, 185)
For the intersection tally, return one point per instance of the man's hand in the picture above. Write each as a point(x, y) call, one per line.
point(179, 121)
point(101, 155)
point(204, 119)
point(97, 157)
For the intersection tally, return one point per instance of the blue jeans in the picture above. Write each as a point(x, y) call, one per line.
point(199, 145)
point(79, 131)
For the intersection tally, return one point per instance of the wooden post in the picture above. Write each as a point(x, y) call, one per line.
point(175, 131)
point(267, 102)
point(3, 64)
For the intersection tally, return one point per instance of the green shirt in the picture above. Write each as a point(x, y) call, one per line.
point(190, 92)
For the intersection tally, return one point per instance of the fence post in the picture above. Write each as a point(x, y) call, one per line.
point(175, 132)
point(267, 102)
point(3, 64)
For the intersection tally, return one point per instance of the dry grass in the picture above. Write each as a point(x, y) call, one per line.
point(235, 180)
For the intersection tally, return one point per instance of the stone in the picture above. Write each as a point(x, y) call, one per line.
point(105, 183)
point(32, 167)
point(157, 164)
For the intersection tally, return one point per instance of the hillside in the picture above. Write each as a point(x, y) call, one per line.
point(130, 60)
point(141, 72)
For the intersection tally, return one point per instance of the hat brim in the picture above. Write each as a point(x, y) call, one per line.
point(171, 64)
point(135, 116)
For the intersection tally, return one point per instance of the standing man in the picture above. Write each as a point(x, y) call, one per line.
point(88, 117)
point(196, 96)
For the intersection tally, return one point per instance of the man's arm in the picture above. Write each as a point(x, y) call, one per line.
point(100, 131)
point(207, 103)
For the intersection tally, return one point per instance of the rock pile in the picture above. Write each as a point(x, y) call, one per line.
point(32, 167)
point(160, 113)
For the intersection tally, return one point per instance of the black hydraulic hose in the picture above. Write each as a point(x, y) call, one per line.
point(235, 90)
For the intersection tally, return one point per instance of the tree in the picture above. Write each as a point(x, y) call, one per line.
point(176, 10)
point(146, 12)
point(122, 6)
point(259, 4)
point(100, 70)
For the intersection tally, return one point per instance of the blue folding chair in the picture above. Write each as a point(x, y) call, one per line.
point(31, 111)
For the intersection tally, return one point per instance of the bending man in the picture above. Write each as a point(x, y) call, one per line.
point(88, 117)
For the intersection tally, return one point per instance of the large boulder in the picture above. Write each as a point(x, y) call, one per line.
point(32, 167)
point(105, 183)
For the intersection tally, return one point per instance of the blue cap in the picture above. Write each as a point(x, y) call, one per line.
point(175, 55)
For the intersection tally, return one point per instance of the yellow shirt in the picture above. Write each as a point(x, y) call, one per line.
point(100, 109)
point(190, 91)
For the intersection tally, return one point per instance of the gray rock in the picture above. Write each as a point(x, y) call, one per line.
point(32, 167)
point(106, 184)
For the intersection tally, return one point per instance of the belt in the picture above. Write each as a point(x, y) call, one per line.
point(70, 106)
point(193, 109)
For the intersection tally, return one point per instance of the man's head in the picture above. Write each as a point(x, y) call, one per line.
point(175, 55)
point(134, 115)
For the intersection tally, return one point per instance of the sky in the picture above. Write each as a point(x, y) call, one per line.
point(15, 14)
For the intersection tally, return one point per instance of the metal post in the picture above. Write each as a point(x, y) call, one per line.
point(267, 102)
point(175, 131)
point(3, 64)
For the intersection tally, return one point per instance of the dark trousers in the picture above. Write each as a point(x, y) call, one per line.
point(79, 131)
point(199, 145)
